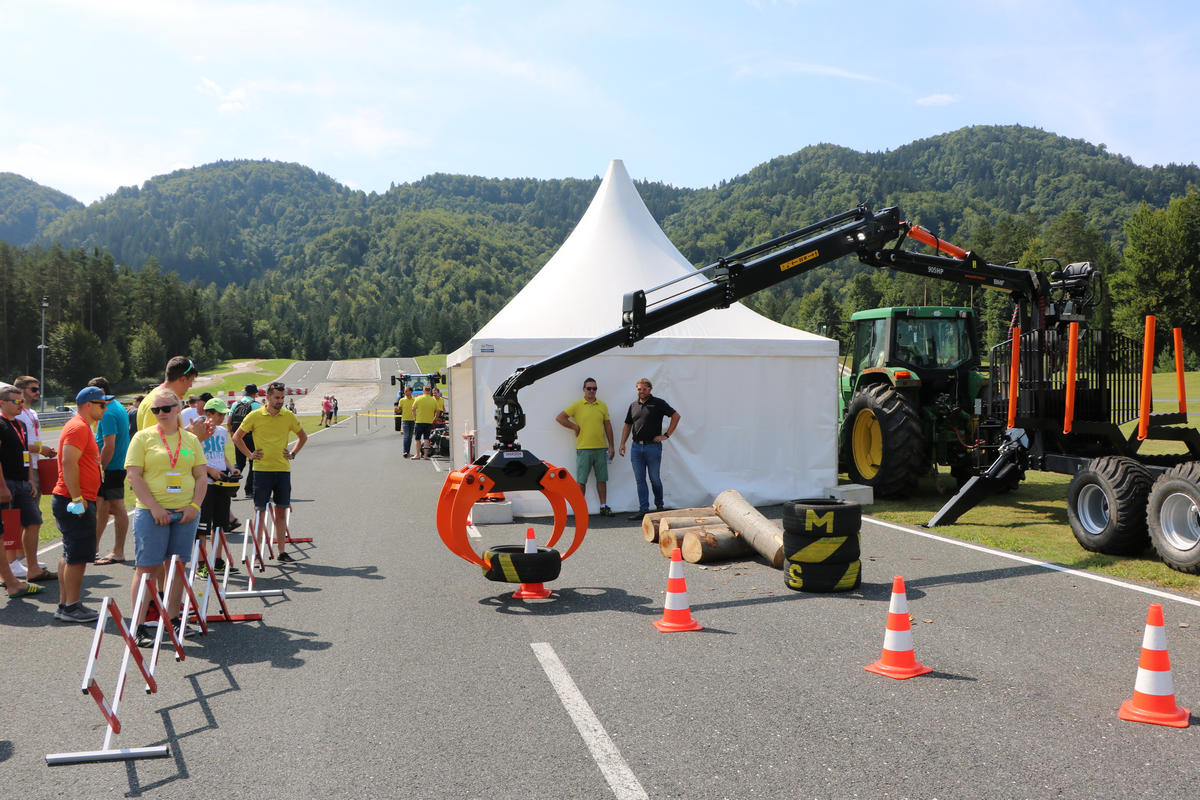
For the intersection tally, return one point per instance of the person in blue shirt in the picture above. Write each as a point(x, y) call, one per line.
point(112, 438)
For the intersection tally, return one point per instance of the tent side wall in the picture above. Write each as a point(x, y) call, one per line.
point(762, 424)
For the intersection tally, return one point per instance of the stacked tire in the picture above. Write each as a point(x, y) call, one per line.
point(821, 545)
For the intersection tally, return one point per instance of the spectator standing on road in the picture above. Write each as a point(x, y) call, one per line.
point(74, 502)
point(644, 419)
point(31, 391)
point(440, 417)
point(588, 418)
point(405, 406)
point(15, 483)
point(180, 375)
point(238, 412)
point(133, 409)
point(192, 411)
point(424, 410)
point(214, 511)
point(112, 437)
point(333, 407)
point(271, 427)
point(166, 469)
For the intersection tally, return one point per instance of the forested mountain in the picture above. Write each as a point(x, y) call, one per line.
point(274, 259)
point(27, 208)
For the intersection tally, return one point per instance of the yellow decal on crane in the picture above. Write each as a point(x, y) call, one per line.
point(785, 266)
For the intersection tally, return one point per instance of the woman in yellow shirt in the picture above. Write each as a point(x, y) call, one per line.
point(166, 468)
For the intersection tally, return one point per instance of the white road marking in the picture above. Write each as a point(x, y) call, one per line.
point(621, 779)
point(1078, 573)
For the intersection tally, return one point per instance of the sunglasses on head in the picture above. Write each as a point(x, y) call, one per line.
point(162, 409)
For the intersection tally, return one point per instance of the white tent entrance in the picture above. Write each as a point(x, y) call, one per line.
point(757, 400)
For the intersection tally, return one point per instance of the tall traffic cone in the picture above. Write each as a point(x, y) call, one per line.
point(898, 660)
point(677, 614)
point(531, 591)
point(1153, 692)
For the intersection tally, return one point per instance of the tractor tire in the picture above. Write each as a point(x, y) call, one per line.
point(1173, 516)
point(884, 445)
point(1106, 505)
point(509, 563)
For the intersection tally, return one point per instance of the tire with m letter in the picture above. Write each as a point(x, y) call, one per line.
point(821, 545)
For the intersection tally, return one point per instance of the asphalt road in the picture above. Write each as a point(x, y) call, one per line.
point(392, 669)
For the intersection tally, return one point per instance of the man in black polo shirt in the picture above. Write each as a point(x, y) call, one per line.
point(644, 419)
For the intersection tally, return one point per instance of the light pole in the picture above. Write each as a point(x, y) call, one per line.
point(42, 347)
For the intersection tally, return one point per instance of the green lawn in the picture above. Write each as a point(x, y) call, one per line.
point(431, 363)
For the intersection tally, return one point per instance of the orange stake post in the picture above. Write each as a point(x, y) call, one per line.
point(1179, 387)
point(1147, 377)
point(1072, 363)
point(1014, 375)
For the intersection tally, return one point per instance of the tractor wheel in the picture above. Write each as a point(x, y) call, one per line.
point(1173, 514)
point(1106, 505)
point(885, 449)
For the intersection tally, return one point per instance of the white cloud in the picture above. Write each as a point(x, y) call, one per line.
point(781, 68)
point(368, 134)
point(937, 100)
point(229, 102)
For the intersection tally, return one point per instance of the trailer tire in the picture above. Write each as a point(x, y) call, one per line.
point(509, 563)
point(1106, 505)
point(1173, 517)
point(885, 447)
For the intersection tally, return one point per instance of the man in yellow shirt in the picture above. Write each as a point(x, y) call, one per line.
point(405, 406)
point(588, 417)
point(425, 408)
point(271, 427)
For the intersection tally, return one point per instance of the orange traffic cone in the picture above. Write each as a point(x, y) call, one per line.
point(531, 591)
point(1153, 692)
point(677, 615)
point(898, 660)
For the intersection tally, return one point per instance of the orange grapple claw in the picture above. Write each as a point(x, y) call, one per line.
point(459, 493)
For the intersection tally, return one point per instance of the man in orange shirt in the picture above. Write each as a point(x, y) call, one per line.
point(74, 502)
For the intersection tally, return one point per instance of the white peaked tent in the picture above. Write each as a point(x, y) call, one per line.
point(757, 400)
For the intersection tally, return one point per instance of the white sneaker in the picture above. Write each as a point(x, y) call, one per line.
point(18, 568)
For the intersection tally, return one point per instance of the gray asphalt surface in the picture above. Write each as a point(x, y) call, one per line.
point(392, 669)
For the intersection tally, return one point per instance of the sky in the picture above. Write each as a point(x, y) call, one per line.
point(95, 95)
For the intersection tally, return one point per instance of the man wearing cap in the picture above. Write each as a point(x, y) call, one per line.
point(112, 437)
point(180, 375)
point(74, 502)
point(245, 404)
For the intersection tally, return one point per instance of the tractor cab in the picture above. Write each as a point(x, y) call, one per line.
point(907, 394)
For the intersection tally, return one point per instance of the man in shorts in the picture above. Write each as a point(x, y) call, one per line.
point(271, 426)
point(424, 409)
point(15, 485)
point(588, 418)
point(74, 502)
point(112, 437)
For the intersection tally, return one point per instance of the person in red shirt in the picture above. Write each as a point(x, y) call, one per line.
point(74, 502)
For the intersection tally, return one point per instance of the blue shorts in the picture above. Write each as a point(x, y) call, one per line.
point(273, 487)
point(154, 544)
point(78, 531)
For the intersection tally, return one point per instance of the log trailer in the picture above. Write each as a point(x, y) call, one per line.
point(1015, 420)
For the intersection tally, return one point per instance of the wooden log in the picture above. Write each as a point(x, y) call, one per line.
point(705, 545)
point(668, 540)
point(650, 520)
point(762, 534)
point(669, 523)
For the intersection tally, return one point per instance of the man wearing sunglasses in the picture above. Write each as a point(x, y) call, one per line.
point(31, 392)
point(588, 418)
point(272, 426)
point(181, 374)
point(74, 502)
point(14, 485)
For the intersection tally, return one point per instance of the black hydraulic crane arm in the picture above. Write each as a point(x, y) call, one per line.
point(857, 231)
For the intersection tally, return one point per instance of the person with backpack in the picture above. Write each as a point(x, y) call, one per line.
point(237, 413)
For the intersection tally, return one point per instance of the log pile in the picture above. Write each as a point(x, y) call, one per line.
point(730, 528)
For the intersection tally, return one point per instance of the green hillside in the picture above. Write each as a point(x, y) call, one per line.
point(28, 208)
point(275, 260)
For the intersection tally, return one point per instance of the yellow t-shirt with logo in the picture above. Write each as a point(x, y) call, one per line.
point(425, 409)
point(590, 418)
point(146, 450)
point(271, 435)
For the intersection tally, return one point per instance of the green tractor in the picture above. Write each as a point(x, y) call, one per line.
point(909, 396)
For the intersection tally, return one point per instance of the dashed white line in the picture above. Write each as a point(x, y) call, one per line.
point(621, 779)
